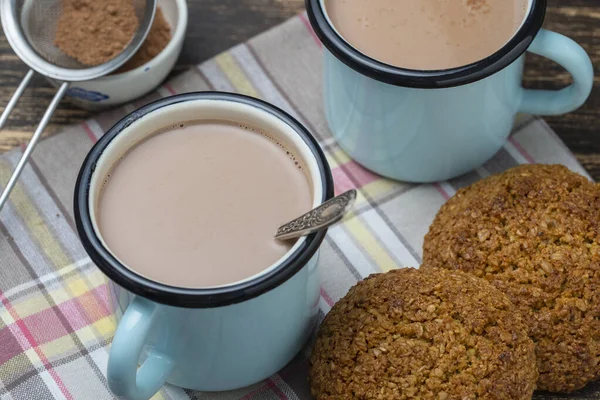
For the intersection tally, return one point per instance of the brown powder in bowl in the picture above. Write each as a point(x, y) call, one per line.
point(157, 39)
point(94, 32)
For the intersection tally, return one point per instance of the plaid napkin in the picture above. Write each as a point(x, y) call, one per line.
point(55, 324)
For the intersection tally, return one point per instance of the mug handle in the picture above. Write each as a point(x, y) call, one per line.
point(575, 60)
point(124, 378)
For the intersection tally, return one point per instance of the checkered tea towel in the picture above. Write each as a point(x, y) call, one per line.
point(55, 324)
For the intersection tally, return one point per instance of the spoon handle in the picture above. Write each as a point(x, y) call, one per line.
point(325, 215)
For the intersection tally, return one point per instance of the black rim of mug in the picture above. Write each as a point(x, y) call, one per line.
point(184, 297)
point(386, 73)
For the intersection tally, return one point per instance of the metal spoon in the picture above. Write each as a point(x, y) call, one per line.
point(327, 214)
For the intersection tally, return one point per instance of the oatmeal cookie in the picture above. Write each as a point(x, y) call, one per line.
point(411, 334)
point(534, 233)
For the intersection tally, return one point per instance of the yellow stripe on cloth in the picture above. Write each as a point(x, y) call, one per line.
point(368, 242)
point(35, 223)
point(383, 187)
point(31, 304)
point(6, 317)
point(33, 355)
point(360, 199)
point(337, 157)
point(236, 76)
point(96, 278)
point(158, 396)
point(97, 331)
point(58, 347)
point(106, 326)
point(379, 188)
point(77, 286)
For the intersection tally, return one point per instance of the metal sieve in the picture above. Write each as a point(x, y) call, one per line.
point(30, 28)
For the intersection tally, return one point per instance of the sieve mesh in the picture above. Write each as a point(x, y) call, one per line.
point(39, 19)
point(30, 28)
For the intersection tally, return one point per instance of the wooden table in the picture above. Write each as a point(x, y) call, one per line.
point(216, 25)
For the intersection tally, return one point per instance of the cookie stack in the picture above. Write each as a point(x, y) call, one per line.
point(507, 300)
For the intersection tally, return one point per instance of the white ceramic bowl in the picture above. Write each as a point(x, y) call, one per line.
point(113, 90)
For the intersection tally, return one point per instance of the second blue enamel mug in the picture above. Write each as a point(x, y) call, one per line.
point(426, 126)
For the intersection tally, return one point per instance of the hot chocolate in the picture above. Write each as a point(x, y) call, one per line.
point(427, 34)
point(197, 206)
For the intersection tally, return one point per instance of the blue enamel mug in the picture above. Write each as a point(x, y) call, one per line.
point(215, 338)
point(426, 126)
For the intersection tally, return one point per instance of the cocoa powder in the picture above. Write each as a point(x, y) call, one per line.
point(157, 39)
point(94, 32)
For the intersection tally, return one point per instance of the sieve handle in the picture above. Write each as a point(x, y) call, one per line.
point(36, 135)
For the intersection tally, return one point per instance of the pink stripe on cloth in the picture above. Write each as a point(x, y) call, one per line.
point(248, 396)
point(9, 345)
point(326, 297)
point(361, 175)
point(89, 132)
point(23, 328)
point(269, 384)
point(306, 22)
point(101, 295)
point(341, 181)
point(440, 189)
point(521, 150)
point(71, 312)
point(94, 305)
point(45, 326)
point(273, 386)
point(169, 89)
